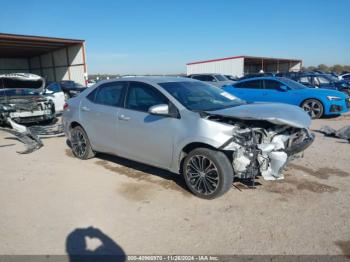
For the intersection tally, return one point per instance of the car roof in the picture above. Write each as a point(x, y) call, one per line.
point(263, 78)
point(152, 79)
point(205, 74)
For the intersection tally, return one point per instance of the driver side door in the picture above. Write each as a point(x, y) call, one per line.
point(274, 92)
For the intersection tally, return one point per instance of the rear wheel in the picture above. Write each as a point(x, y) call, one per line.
point(80, 143)
point(208, 173)
point(313, 107)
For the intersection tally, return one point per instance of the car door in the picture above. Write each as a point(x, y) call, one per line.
point(250, 90)
point(144, 137)
point(275, 92)
point(99, 115)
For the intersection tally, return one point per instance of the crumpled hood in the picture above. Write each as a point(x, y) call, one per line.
point(276, 113)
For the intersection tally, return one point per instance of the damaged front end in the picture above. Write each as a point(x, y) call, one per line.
point(22, 100)
point(27, 109)
point(259, 147)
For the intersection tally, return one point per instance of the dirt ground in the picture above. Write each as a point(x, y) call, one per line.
point(49, 200)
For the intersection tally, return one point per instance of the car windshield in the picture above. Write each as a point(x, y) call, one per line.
point(293, 84)
point(197, 96)
point(221, 78)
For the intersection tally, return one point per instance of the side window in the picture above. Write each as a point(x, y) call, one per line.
point(256, 84)
point(271, 84)
point(323, 80)
point(142, 96)
point(110, 94)
point(305, 80)
point(316, 82)
point(92, 95)
point(199, 77)
point(346, 77)
point(209, 78)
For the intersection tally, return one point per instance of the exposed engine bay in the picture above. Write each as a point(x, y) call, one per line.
point(26, 109)
point(21, 99)
point(259, 147)
point(29, 136)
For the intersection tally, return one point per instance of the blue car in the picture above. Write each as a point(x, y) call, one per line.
point(317, 102)
point(317, 80)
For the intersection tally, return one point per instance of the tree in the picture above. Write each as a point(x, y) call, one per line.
point(322, 67)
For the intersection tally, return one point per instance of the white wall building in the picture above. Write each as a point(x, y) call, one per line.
point(241, 65)
point(55, 59)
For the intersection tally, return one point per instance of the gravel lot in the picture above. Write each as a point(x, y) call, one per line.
point(48, 198)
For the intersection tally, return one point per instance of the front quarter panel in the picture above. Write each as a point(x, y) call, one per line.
point(195, 129)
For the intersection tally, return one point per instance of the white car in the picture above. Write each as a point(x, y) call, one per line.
point(344, 77)
point(213, 79)
point(53, 92)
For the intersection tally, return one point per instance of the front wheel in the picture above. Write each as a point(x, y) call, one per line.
point(208, 173)
point(313, 107)
point(80, 143)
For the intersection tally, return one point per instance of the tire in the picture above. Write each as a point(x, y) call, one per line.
point(208, 173)
point(81, 146)
point(313, 107)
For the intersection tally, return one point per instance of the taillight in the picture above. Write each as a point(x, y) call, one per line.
point(65, 106)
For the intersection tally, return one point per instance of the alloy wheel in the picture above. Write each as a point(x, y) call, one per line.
point(202, 174)
point(79, 144)
point(313, 108)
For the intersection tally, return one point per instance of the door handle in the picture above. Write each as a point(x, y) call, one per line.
point(124, 118)
point(86, 109)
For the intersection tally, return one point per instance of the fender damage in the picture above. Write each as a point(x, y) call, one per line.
point(265, 137)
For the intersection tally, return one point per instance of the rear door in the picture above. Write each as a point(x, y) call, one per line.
point(99, 115)
point(144, 137)
point(251, 90)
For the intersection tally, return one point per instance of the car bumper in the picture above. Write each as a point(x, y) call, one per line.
point(31, 117)
point(337, 107)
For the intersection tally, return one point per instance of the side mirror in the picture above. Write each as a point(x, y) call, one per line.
point(161, 109)
point(284, 88)
point(213, 80)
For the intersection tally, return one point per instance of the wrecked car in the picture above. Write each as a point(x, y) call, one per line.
point(188, 127)
point(21, 97)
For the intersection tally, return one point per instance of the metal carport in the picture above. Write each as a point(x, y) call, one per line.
point(271, 65)
point(53, 58)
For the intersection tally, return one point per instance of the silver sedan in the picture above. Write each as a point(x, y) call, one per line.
point(188, 127)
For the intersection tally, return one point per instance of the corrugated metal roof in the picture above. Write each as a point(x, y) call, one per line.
point(17, 46)
point(245, 57)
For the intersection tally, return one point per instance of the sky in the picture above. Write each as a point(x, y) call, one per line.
point(161, 36)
